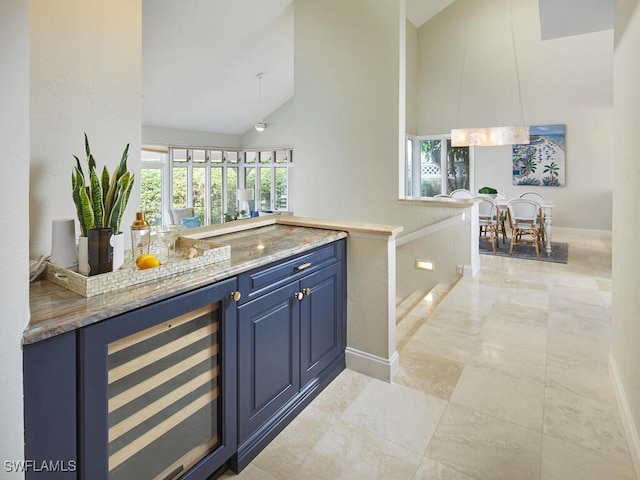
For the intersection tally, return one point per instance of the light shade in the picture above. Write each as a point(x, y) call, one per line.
point(490, 136)
point(260, 126)
point(245, 194)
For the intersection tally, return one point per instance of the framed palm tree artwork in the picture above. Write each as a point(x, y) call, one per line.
point(541, 162)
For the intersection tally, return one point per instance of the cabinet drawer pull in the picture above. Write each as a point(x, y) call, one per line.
point(307, 291)
point(298, 295)
point(303, 266)
point(236, 296)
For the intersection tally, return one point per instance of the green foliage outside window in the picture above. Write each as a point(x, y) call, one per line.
point(151, 195)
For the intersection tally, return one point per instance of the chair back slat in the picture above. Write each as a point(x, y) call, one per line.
point(487, 208)
point(535, 196)
point(461, 193)
point(521, 209)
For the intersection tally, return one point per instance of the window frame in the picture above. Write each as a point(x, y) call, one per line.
point(413, 158)
point(240, 165)
point(161, 164)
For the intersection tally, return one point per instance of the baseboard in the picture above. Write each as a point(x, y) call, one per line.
point(633, 439)
point(471, 270)
point(372, 365)
point(583, 231)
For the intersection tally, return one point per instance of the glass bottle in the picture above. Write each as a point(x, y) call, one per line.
point(140, 236)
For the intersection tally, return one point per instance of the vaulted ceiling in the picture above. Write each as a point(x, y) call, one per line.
point(200, 58)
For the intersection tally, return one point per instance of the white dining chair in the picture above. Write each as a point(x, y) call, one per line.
point(488, 220)
point(535, 196)
point(524, 217)
point(461, 193)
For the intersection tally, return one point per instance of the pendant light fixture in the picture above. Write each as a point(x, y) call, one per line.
point(493, 136)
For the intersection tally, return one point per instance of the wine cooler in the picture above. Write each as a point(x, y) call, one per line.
point(158, 389)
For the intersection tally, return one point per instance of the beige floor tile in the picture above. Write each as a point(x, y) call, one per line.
point(407, 328)
point(408, 303)
point(478, 296)
point(290, 447)
point(337, 397)
point(251, 472)
point(348, 452)
point(578, 348)
point(582, 379)
point(593, 321)
point(458, 320)
point(426, 373)
point(486, 447)
point(442, 342)
point(485, 390)
point(504, 311)
point(585, 422)
point(572, 306)
point(396, 413)
point(432, 470)
point(587, 296)
point(565, 461)
point(524, 298)
point(516, 362)
point(515, 335)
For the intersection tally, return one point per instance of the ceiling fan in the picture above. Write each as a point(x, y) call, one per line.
point(260, 125)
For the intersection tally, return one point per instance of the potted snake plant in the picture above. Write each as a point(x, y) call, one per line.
point(100, 203)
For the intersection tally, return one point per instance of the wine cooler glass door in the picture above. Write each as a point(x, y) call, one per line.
point(164, 395)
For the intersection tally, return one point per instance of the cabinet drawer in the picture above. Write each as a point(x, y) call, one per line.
point(266, 279)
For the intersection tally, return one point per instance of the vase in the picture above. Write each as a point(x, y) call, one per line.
point(100, 250)
point(117, 242)
point(83, 255)
point(63, 244)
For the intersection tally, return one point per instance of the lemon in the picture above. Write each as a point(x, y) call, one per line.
point(142, 257)
point(146, 260)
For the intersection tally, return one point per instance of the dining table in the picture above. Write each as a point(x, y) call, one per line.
point(547, 217)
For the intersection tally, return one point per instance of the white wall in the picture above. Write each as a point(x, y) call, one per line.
point(467, 78)
point(411, 116)
point(14, 195)
point(626, 262)
point(176, 136)
point(85, 77)
point(346, 60)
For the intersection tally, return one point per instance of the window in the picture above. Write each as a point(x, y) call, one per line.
point(433, 166)
point(154, 185)
point(208, 180)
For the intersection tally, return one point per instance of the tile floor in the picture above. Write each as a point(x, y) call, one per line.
point(506, 379)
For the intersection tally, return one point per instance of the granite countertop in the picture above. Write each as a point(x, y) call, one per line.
point(56, 310)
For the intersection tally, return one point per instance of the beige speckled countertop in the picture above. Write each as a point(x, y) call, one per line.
point(56, 310)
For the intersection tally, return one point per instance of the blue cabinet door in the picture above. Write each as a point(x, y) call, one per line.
point(268, 357)
point(322, 335)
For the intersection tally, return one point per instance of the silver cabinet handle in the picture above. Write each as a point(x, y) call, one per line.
point(236, 296)
point(303, 266)
point(298, 295)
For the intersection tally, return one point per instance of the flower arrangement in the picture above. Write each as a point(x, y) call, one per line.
point(487, 191)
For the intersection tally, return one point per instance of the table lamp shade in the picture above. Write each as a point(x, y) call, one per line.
point(245, 194)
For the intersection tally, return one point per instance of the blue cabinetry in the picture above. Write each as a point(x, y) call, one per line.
point(291, 342)
point(192, 384)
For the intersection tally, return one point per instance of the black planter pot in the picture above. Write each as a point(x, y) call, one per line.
point(100, 250)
